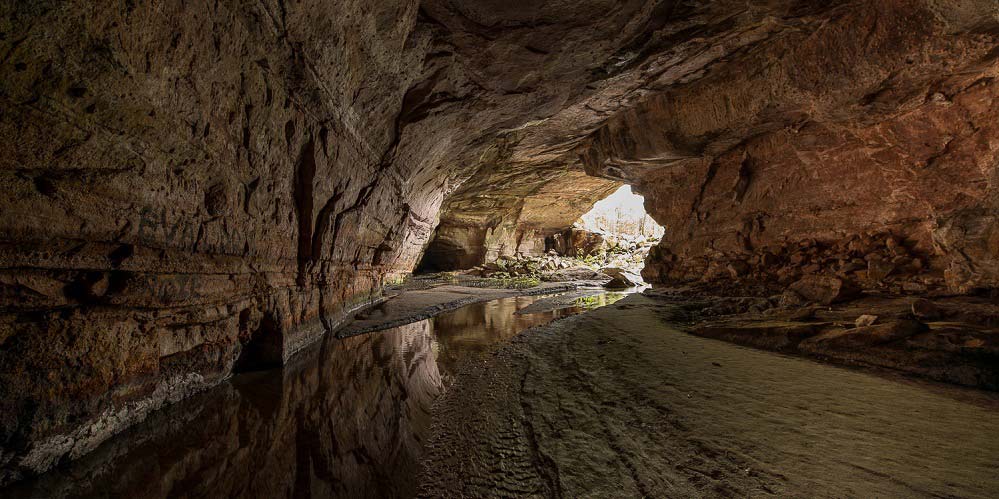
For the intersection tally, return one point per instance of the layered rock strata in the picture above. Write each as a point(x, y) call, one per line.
point(512, 211)
point(863, 146)
point(192, 188)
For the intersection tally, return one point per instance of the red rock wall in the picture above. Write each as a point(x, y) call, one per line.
point(189, 186)
point(880, 121)
point(196, 187)
point(509, 210)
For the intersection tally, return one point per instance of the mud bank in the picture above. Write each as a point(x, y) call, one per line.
point(953, 339)
point(620, 402)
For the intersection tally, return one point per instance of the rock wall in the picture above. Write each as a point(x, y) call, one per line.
point(190, 188)
point(860, 141)
point(196, 187)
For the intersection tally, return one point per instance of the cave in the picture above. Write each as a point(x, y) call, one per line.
point(334, 248)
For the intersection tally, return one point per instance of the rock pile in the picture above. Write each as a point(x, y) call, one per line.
point(621, 262)
point(505, 266)
point(837, 270)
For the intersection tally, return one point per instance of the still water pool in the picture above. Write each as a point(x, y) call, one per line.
point(348, 418)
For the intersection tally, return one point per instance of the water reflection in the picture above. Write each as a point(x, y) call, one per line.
point(347, 419)
point(475, 328)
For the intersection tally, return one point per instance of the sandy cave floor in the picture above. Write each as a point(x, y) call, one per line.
point(618, 403)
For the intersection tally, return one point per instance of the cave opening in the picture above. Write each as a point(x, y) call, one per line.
point(608, 227)
point(616, 232)
point(584, 229)
point(622, 213)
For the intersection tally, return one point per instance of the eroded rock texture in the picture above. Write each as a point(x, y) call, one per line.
point(864, 145)
point(196, 187)
point(511, 210)
point(189, 187)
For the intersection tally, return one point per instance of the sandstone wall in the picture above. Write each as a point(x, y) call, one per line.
point(196, 187)
point(509, 210)
point(183, 179)
point(820, 147)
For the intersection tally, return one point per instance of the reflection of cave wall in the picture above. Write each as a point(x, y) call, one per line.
point(345, 420)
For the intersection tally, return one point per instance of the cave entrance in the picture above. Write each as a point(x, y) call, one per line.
point(616, 232)
point(574, 220)
point(622, 214)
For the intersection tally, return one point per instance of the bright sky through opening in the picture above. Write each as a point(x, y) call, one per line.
point(622, 212)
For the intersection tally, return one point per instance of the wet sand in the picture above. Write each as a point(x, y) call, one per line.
point(618, 403)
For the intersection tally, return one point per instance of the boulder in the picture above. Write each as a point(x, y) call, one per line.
point(621, 278)
point(789, 299)
point(803, 314)
point(865, 320)
point(579, 242)
point(825, 290)
point(925, 309)
point(878, 270)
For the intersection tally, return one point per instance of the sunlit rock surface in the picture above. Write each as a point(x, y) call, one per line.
point(193, 187)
